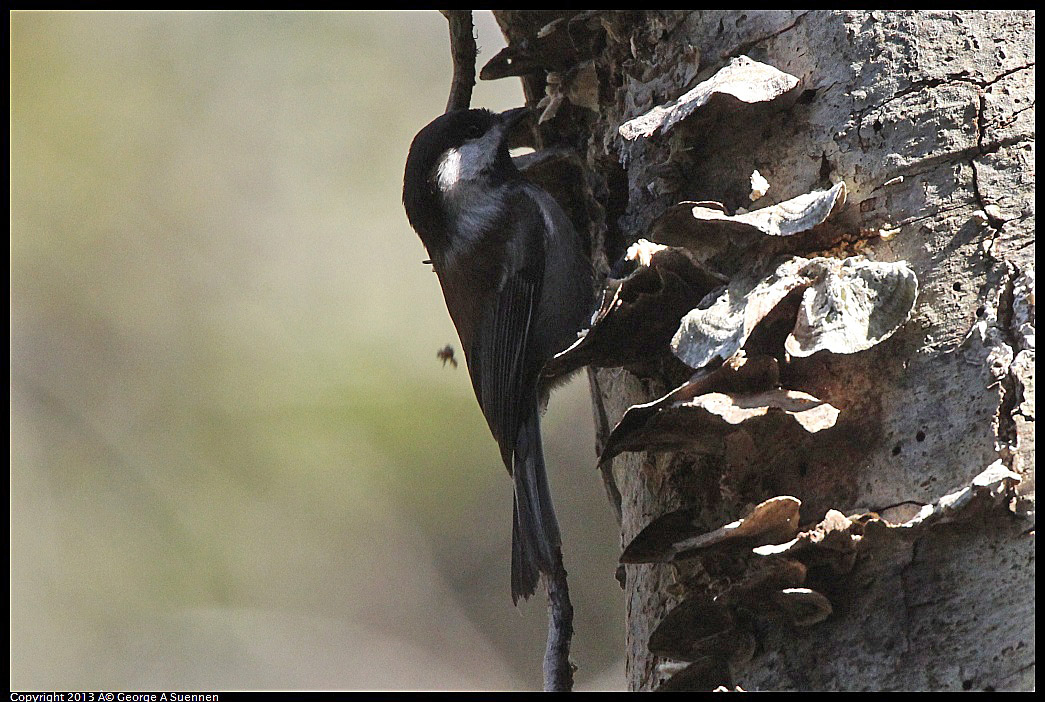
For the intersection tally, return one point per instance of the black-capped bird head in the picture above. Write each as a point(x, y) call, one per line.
point(457, 157)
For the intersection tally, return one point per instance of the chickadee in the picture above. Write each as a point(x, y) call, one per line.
point(518, 288)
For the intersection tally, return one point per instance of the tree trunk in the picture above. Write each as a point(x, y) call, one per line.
point(928, 119)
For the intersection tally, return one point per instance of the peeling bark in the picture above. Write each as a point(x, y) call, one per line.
point(928, 118)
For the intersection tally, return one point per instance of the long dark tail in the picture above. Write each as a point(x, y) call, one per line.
point(536, 549)
point(535, 531)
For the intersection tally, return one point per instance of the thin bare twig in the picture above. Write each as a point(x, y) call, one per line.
point(463, 51)
point(558, 671)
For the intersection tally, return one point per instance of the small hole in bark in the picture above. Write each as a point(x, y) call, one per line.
point(920, 436)
point(825, 167)
point(896, 450)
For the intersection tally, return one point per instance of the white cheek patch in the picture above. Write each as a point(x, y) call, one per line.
point(472, 206)
point(448, 172)
point(466, 162)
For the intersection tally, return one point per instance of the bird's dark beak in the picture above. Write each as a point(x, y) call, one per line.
point(510, 118)
point(515, 126)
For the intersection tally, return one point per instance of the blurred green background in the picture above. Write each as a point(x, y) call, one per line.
point(236, 461)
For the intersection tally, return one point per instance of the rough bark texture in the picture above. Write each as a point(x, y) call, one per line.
point(928, 117)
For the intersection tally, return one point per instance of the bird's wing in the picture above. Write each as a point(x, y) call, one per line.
point(502, 370)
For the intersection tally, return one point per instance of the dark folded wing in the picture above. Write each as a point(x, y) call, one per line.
point(503, 373)
point(500, 373)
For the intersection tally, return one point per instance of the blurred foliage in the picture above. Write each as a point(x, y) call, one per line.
point(236, 461)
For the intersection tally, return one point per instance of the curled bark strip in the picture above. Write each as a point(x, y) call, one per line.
point(693, 620)
point(679, 534)
point(853, 306)
point(848, 306)
point(738, 374)
point(700, 424)
point(640, 311)
point(803, 606)
point(799, 214)
point(509, 61)
point(702, 674)
point(840, 535)
point(742, 80)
